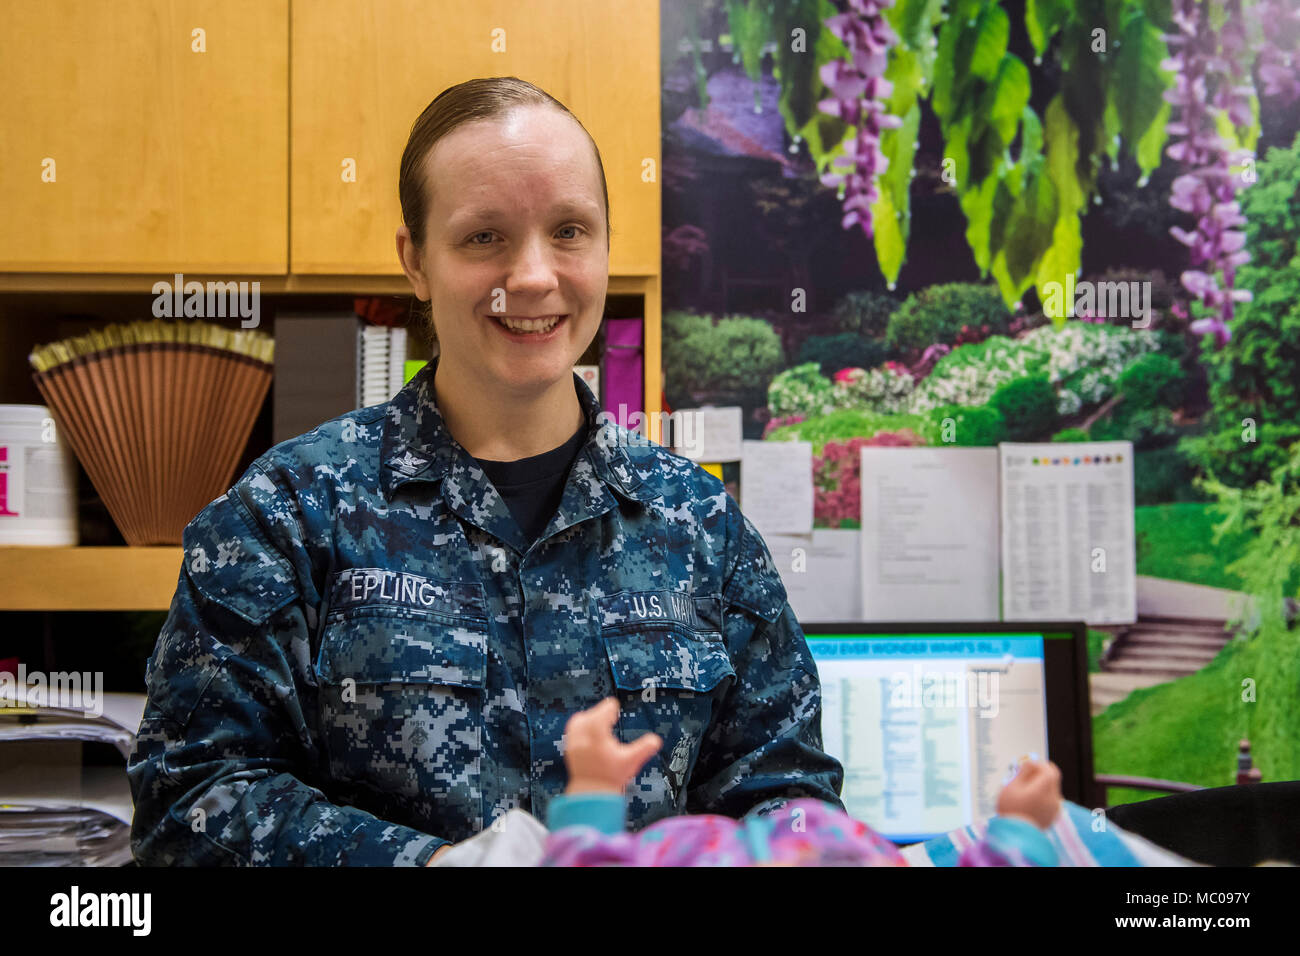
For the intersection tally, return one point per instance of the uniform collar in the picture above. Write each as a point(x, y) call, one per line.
point(416, 445)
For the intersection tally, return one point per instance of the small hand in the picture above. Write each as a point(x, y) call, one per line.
point(1033, 794)
point(597, 762)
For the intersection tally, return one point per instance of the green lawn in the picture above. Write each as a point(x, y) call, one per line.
point(1176, 541)
point(1188, 729)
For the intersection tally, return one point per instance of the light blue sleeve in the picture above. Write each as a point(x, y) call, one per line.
point(604, 811)
point(1007, 834)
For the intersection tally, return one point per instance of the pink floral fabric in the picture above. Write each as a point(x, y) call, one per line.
point(803, 832)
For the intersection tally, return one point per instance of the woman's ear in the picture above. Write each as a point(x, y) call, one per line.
point(408, 254)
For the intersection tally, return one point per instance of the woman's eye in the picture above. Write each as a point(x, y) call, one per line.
point(577, 234)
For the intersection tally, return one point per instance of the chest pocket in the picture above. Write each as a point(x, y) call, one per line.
point(401, 698)
point(670, 670)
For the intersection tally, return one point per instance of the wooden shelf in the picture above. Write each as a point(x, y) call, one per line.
point(88, 579)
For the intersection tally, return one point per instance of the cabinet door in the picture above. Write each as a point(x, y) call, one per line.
point(144, 135)
point(363, 73)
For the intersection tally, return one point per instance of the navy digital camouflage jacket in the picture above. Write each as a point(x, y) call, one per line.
point(363, 661)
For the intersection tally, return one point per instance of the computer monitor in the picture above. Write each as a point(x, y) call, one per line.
point(930, 720)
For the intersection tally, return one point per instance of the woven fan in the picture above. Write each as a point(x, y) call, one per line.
point(158, 413)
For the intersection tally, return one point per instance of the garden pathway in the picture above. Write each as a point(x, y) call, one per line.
point(1180, 628)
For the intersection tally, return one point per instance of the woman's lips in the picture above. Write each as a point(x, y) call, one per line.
point(521, 334)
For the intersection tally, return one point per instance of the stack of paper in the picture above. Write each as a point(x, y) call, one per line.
point(374, 365)
point(383, 356)
point(55, 809)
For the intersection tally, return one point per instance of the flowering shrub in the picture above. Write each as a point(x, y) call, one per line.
point(1081, 361)
point(801, 390)
point(903, 438)
point(837, 476)
point(884, 389)
point(929, 357)
point(774, 423)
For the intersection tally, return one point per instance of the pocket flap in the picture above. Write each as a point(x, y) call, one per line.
point(666, 659)
point(374, 647)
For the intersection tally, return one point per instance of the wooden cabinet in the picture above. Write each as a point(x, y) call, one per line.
point(362, 74)
point(163, 159)
point(226, 164)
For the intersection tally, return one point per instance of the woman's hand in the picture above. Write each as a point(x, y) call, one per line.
point(596, 760)
point(1034, 793)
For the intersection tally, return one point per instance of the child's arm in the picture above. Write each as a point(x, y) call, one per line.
point(588, 819)
point(1026, 807)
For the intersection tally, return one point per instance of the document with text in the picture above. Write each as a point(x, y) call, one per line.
point(930, 534)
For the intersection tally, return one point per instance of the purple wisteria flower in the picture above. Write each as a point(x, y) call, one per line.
point(1206, 61)
point(1278, 62)
point(857, 91)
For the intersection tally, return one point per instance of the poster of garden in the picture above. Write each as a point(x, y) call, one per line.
point(1045, 221)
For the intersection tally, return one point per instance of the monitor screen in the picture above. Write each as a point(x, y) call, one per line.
point(929, 727)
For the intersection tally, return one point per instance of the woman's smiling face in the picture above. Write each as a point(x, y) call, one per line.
point(515, 236)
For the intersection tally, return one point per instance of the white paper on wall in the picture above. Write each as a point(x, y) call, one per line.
point(776, 486)
point(821, 573)
point(1068, 545)
point(929, 534)
point(709, 434)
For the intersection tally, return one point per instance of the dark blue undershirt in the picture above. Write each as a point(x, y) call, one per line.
point(533, 487)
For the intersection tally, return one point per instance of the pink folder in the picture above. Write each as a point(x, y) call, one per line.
point(623, 374)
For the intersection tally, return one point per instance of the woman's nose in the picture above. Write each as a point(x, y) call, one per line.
point(532, 266)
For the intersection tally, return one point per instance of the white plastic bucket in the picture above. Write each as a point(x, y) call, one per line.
point(38, 479)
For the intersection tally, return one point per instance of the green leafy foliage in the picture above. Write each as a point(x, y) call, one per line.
point(1070, 434)
point(979, 426)
point(1163, 475)
point(1027, 406)
point(937, 313)
point(677, 327)
point(1024, 210)
point(911, 64)
point(865, 313)
point(736, 358)
point(1152, 380)
point(1043, 18)
point(1144, 110)
point(1144, 427)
